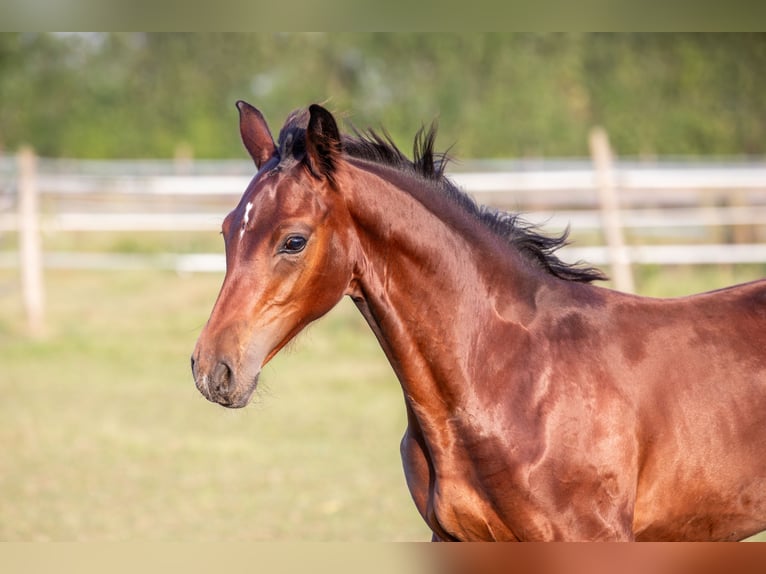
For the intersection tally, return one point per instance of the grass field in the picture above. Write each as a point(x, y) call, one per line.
point(106, 438)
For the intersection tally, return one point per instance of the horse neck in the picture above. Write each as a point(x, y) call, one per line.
point(436, 287)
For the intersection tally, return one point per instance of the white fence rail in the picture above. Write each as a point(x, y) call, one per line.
point(668, 212)
point(692, 195)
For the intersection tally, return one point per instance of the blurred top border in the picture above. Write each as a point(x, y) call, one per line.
point(375, 16)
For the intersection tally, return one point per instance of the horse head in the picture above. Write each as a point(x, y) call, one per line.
point(287, 253)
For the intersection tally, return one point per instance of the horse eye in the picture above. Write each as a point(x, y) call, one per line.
point(293, 244)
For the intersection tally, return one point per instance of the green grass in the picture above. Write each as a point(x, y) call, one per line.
point(106, 438)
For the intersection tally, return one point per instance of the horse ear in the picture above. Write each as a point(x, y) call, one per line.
point(255, 134)
point(323, 145)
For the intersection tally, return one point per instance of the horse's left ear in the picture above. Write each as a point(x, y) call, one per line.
point(323, 144)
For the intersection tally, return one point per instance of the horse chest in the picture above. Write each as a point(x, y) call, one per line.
point(450, 503)
point(464, 513)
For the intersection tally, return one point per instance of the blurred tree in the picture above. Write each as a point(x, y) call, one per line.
point(495, 95)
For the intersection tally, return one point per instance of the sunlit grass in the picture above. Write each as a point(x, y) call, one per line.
point(106, 438)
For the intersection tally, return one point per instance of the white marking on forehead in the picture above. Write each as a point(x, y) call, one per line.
point(245, 219)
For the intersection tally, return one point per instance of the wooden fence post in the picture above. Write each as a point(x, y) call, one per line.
point(30, 250)
point(601, 153)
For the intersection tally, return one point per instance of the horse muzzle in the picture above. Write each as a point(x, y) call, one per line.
point(219, 384)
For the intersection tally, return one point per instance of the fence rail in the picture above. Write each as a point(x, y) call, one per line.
point(620, 212)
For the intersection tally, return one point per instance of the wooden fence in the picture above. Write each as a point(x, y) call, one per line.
point(621, 213)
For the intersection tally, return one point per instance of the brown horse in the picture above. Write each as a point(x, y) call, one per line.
point(540, 407)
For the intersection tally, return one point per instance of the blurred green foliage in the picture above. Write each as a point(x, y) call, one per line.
point(495, 95)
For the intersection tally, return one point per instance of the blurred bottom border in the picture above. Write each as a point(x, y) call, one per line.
point(394, 558)
point(598, 558)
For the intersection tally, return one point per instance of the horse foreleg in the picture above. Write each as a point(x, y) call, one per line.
point(419, 474)
point(417, 471)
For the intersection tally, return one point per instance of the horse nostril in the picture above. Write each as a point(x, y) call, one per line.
point(193, 363)
point(221, 376)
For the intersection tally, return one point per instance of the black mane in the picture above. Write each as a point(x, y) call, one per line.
point(429, 165)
